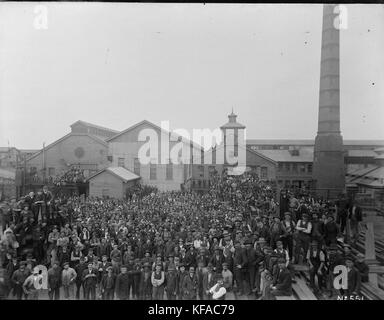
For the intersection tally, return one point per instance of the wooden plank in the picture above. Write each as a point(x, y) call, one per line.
point(299, 292)
point(308, 292)
point(376, 292)
point(285, 298)
point(300, 267)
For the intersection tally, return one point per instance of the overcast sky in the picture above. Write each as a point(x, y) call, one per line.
point(117, 64)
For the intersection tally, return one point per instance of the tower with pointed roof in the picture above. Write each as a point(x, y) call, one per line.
point(231, 131)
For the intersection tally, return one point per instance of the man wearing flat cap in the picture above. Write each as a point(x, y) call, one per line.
point(171, 280)
point(303, 239)
point(68, 277)
point(89, 277)
point(18, 278)
point(146, 282)
point(107, 284)
point(282, 286)
point(354, 278)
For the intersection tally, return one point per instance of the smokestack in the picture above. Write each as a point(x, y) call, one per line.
point(328, 165)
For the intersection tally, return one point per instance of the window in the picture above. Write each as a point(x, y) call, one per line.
point(264, 173)
point(152, 171)
point(309, 168)
point(287, 167)
point(136, 166)
point(294, 169)
point(280, 168)
point(302, 168)
point(120, 162)
point(201, 171)
point(169, 171)
point(51, 172)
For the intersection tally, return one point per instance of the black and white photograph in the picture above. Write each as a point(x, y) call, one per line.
point(206, 152)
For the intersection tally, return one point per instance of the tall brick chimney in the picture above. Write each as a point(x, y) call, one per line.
point(328, 165)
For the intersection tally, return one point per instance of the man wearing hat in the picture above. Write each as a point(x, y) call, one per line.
point(333, 258)
point(68, 278)
point(217, 260)
point(171, 281)
point(18, 278)
point(304, 228)
point(218, 291)
point(354, 278)
point(32, 285)
point(227, 277)
point(157, 279)
point(289, 228)
point(331, 230)
point(122, 284)
point(146, 282)
point(239, 265)
point(316, 260)
point(190, 284)
point(181, 274)
point(79, 280)
point(54, 281)
point(282, 286)
point(89, 277)
point(208, 281)
point(107, 284)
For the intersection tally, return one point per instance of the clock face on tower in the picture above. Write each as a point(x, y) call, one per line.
point(79, 152)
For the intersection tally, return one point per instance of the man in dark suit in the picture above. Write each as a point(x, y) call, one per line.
point(107, 285)
point(354, 278)
point(89, 282)
point(209, 280)
point(282, 286)
point(355, 217)
point(239, 263)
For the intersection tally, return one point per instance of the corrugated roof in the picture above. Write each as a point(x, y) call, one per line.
point(362, 172)
point(362, 153)
point(122, 173)
point(311, 142)
point(305, 155)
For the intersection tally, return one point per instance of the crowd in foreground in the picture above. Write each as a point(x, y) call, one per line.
point(229, 242)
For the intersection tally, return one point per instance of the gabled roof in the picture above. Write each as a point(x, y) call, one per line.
point(71, 134)
point(93, 126)
point(123, 174)
point(146, 122)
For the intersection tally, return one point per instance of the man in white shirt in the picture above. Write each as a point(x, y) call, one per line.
point(303, 239)
point(218, 291)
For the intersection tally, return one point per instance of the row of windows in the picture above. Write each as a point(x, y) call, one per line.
point(152, 169)
point(293, 183)
point(295, 167)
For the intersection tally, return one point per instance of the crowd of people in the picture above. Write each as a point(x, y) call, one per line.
point(229, 242)
point(73, 175)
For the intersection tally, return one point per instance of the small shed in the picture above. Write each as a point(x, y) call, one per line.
point(112, 182)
